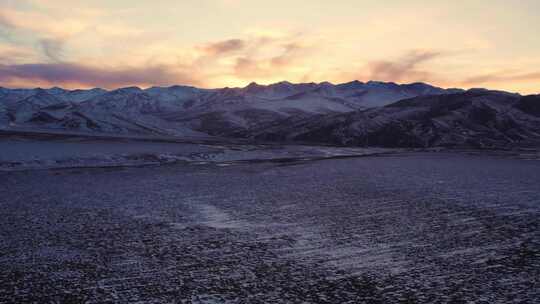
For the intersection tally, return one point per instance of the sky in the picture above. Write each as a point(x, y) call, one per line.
point(219, 43)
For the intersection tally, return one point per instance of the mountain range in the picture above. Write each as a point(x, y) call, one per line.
point(351, 114)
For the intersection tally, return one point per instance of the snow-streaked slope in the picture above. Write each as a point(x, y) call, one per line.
point(184, 110)
point(476, 118)
point(234, 111)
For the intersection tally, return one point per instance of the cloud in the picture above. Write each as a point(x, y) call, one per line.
point(249, 67)
point(213, 63)
point(4, 22)
point(288, 55)
point(72, 74)
point(6, 27)
point(502, 77)
point(226, 46)
point(41, 24)
point(403, 69)
point(10, 53)
point(52, 48)
point(246, 67)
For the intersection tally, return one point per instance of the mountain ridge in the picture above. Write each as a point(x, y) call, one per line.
point(352, 113)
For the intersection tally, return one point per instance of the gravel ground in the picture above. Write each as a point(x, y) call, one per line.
point(404, 228)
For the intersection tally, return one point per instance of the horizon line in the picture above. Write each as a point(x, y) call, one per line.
point(142, 88)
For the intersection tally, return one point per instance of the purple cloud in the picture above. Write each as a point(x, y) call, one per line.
point(403, 68)
point(226, 46)
point(71, 73)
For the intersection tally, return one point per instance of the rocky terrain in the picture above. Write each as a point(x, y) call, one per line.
point(401, 228)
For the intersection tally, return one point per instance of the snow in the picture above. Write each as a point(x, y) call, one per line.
point(23, 153)
point(410, 227)
point(136, 105)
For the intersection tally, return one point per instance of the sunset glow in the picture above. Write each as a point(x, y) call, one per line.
point(217, 43)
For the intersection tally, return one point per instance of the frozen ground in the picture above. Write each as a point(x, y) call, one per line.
point(27, 151)
point(401, 228)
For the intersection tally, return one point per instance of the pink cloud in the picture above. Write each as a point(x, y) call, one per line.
point(69, 74)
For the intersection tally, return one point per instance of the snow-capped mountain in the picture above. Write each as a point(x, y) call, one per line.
point(353, 113)
point(475, 118)
point(180, 109)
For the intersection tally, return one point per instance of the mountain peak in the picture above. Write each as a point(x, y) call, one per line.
point(254, 88)
point(127, 89)
point(381, 83)
point(353, 83)
point(253, 84)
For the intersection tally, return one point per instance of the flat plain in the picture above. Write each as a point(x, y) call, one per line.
point(398, 228)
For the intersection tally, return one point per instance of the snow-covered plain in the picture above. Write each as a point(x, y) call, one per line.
point(30, 150)
point(397, 228)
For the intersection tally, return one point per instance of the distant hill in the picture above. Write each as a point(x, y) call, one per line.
point(354, 113)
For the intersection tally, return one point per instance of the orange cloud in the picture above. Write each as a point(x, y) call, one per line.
point(11, 53)
point(502, 77)
point(4, 21)
point(405, 68)
point(412, 66)
point(288, 56)
point(252, 57)
point(43, 24)
point(290, 50)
